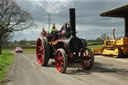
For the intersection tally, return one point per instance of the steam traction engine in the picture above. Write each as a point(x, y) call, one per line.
point(64, 47)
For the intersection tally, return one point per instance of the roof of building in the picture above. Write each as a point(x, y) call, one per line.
point(118, 12)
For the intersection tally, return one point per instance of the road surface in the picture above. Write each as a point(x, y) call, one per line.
point(25, 70)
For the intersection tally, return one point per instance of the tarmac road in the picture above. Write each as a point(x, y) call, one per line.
point(25, 70)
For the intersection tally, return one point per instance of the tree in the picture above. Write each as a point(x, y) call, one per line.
point(98, 39)
point(12, 18)
point(102, 37)
point(22, 42)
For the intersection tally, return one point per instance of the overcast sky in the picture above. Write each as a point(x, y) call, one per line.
point(88, 22)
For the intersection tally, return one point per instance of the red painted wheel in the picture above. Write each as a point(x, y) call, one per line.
point(88, 58)
point(61, 60)
point(42, 51)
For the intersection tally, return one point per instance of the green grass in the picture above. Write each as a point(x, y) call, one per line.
point(6, 59)
point(95, 46)
point(96, 42)
point(32, 50)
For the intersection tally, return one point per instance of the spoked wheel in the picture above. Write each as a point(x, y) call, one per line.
point(61, 60)
point(88, 58)
point(42, 51)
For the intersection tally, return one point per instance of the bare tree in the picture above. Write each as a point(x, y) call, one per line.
point(12, 18)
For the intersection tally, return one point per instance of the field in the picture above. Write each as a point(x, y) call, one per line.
point(95, 46)
point(92, 44)
point(6, 59)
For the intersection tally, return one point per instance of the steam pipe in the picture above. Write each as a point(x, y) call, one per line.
point(114, 34)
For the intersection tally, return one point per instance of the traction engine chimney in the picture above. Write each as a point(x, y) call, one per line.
point(72, 21)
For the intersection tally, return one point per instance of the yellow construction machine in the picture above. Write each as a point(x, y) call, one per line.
point(115, 46)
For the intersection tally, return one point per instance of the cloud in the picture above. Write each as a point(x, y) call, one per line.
point(51, 6)
point(89, 24)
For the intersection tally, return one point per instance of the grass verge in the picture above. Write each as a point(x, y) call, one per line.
point(6, 59)
point(29, 50)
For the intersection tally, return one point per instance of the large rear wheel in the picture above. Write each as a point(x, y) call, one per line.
point(88, 58)
point(42, 51)
point(61, 60)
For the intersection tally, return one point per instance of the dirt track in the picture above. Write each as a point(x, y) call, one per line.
point(107, 71)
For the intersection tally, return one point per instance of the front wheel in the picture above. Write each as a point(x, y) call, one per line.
point(61, 60)
point(42, 51)
point(88, 58)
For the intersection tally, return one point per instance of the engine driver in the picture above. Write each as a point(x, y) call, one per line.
point(53, 28)
point(53, 33)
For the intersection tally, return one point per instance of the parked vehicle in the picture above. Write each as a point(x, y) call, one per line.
point(18, 50)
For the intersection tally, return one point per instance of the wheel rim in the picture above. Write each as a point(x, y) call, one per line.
point(40, 51)
point(59, 61)
point(85, 53)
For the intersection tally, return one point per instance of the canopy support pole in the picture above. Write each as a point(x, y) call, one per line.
point(126, 26)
